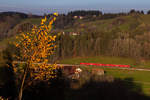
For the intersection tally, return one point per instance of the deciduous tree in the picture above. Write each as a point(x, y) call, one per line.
point(35, 47)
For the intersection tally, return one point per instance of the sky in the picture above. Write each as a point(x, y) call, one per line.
point(43, 6)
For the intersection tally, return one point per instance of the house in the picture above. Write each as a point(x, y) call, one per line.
point(98, 71)
point(74, 33)
point(72, 72)
point(75, 17)
point(80, 17)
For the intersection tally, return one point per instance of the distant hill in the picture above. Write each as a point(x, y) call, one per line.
point(9, 20)
point(21, 15)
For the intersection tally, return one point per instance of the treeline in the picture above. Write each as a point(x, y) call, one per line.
point(96, 43)
point(64, 20)
point(85, 13)
point(67, 20)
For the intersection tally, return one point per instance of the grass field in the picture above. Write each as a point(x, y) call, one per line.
point(107, 60)
point(139, 77)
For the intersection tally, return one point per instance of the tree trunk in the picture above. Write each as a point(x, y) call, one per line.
point(22, 84)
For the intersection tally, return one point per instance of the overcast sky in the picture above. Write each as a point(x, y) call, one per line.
point(41, 5)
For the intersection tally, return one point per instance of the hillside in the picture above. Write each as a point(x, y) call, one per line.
point(97, 35)
point(123, 23)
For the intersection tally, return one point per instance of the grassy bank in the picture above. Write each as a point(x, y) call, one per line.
point(107, 60)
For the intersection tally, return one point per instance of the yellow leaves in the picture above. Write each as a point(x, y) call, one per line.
point(15, 69)
point(45, 33)
point(36, 46)
point(41, 33)
point(46, 71)
point(28, 33)
point(52, 38)
point(51, 22)
point(23, 35)
point(56, 14)
point(17, 45)
point(29, 40)
point(43, 20)
point(54, 18)
point(50, 25)
point(17, 37)
point(55, 46)
point(46, 60)
point(38, 60)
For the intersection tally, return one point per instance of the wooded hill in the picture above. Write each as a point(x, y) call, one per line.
point(122, 34)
